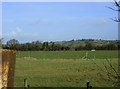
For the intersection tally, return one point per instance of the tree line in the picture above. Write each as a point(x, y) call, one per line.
point(33, 46)
point(14, 44)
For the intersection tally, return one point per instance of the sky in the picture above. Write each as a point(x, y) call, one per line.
point(58, 21)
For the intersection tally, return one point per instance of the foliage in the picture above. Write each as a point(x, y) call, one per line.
point(84, 44)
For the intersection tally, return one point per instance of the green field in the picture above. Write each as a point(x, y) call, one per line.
point(56, 71)
point(68, 54)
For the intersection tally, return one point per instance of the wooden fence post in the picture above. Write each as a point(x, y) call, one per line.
point(8, 67)
point(88, 85)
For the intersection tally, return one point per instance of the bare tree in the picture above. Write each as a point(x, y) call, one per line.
point(113, 74)
point(117, 4)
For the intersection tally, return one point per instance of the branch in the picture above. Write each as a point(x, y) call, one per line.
point(116, 20)
point(113, 9)
point(108, 73)
point(116, 3)
point(112, 67)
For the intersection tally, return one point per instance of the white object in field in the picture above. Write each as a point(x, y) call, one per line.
point(93, 50)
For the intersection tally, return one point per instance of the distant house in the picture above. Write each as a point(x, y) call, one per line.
point(93, 50)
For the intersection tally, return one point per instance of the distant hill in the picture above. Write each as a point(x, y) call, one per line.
point(83, 42)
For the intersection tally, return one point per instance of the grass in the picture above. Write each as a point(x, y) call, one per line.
point(68, 54)
point(60, 72)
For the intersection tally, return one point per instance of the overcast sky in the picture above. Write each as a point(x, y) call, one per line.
point(50, 21)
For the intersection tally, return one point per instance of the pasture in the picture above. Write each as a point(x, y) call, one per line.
point(64, 68)
point(68, 54)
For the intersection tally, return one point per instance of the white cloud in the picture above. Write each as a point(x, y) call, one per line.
point(13, 33)
point(19, 35)
point(101, 21)
point(38, 21)
point(18, 29)
point(35, 22)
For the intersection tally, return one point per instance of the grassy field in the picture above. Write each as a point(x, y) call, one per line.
point(60, 72)
point(68, 54)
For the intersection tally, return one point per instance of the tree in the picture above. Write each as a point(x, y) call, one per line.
point(80, 47)
point(117, 4)
point(52, 46)
point(45, 46)
point(37, 44)
point(113, 74)
point(89, 46)
point(12, 43)
point(1, 39)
